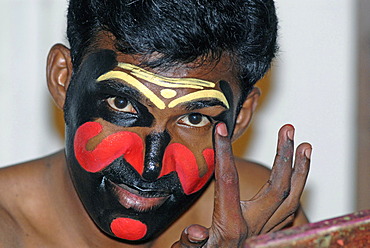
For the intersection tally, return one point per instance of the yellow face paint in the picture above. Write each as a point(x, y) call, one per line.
point(136, 84)
point(166, 83)
point(168, 93)
point(191, 83)
point(200, 95)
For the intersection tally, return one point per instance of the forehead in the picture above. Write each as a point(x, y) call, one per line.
point(213, 70)
point(201, 72)
point(186, 82)
point(165, 87)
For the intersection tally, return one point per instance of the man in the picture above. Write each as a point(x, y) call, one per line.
point(154, 92)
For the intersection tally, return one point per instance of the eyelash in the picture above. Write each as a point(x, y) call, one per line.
point(127, 105)
point(205, 121)
point(129, 108)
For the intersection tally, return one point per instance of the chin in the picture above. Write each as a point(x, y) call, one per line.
point(124, 206)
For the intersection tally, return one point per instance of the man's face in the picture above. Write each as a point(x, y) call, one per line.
point(140, 141)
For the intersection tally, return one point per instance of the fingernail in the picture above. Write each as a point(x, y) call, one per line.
point(196, 240)
point(308, 152)
point(290, 134)
point(221, 129)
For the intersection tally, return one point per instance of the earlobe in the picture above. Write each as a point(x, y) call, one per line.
point(58, 73)
point(245, 115)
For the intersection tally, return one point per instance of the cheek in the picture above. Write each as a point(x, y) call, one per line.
point(181, 159)
point(119, 144)
point(177, 157)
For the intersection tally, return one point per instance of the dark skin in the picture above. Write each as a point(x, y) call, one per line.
point(42, 207)
point(277, 198)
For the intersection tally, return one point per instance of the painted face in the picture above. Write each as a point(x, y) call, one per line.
point(139, 144)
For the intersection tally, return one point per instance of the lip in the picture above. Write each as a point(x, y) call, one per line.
point(134, 199)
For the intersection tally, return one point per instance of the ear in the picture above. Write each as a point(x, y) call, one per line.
point(245, 115)
point(58, 73)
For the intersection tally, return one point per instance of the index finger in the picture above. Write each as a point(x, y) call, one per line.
point(227, 210)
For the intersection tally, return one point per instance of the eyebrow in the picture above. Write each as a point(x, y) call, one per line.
point(200, 104)
point(200, 95)
point(145, 91)
point(121, 88)
point(130, 80)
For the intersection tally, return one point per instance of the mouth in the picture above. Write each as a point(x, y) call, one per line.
point(139, 200)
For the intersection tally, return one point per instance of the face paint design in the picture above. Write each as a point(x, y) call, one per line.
point(133, 177)
point(129, 145)
point(165, 82)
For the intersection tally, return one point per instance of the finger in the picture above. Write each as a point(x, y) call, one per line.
point(301, 168)
point(227, 211)
point(298, 181)
point(273, 193)
point(193, 236)
point(281, 171)
point(284, 223)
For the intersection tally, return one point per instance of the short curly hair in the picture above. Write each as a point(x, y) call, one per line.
point(181, 31)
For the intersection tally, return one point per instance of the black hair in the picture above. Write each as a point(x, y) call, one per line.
point(181, 31)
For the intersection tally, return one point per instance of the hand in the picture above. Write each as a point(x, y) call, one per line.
point(272, 208)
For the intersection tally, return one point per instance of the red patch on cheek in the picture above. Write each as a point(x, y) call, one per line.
point(179, 158)
point(128, 229)
point(127, 144)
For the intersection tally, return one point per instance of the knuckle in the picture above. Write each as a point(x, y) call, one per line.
point(229, 178)
point(233, 233)
point(290, 219)
point(285, 158)
point(285, 194)
point(280, 194)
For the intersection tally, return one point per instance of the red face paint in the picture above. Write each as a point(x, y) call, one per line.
point(126, 144)
point(128, 229)
point(177, 157)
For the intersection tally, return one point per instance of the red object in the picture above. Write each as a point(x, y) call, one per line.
point(351, 231)
point(128, 229)
point(177, 157)
point(124, 143)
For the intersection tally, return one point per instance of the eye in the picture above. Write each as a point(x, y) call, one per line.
point(195, 120)
point(121, 104)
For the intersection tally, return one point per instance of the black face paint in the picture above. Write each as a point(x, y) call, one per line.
point(156, 144)
point(228, 116)
point(85, 102)
point(111, 88)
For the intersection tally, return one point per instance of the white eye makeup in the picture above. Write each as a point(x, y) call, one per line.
point(194, 120)
point(121, 104)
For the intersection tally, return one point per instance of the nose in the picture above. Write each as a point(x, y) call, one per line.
point(155, 145)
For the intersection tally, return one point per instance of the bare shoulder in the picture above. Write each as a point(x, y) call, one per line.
point(252, 176)
point(8, 227)
point(19, 180)
point(21, 191)
point(11, 181)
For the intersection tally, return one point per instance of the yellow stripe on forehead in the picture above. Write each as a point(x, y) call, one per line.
point(202, 94)
point(136, 84)
point(162, 81)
